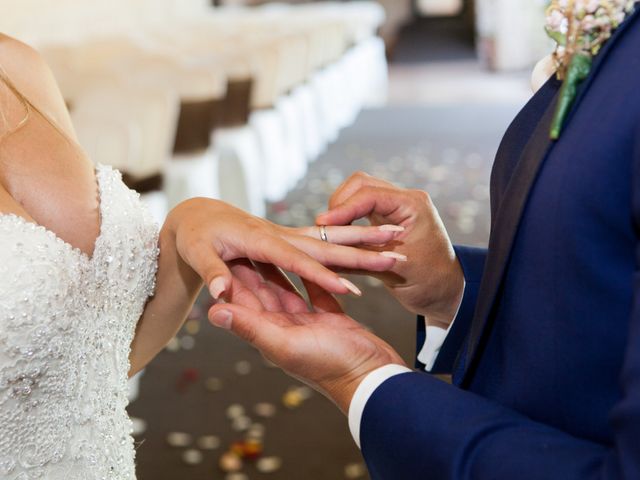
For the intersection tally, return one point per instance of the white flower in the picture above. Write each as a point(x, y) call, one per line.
point(619, 16)
point(592, 5)
point(588, 23)
point(557, 22)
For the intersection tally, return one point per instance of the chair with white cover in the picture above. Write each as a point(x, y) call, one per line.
point(130, 128)
point(192, 170)
point(240, 162)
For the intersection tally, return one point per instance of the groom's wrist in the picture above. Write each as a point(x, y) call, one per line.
point(365, 390)
point(342, 391)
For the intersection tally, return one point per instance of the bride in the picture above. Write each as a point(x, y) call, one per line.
point(91, 291)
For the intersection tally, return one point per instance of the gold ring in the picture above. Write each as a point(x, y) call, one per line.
point(323, 233)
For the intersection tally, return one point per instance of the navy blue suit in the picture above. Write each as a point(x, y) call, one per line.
point(545, 351)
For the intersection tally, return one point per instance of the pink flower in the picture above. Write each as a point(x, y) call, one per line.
point(588, 23)
point(592, 5)
point(557, 22)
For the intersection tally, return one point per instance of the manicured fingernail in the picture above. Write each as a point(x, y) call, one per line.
point(391, 228)
point(352, 288)
point(217, 287)
point(222, 319)
point(395, 256)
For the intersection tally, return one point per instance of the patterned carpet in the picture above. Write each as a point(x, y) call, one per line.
point(191, 386)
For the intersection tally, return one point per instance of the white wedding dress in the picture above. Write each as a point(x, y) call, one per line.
point(66, 326)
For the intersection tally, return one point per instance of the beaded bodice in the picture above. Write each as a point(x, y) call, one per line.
point(66, 326)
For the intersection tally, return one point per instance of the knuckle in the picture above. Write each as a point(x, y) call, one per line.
point(359, 175)
point(255, 224)
point(420, 196)
point(249, 334)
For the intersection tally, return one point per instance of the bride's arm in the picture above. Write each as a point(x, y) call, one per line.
point(201, 235)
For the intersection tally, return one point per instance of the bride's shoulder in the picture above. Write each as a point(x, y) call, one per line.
point(17, 58)
point(10, 43)
point(27, 69)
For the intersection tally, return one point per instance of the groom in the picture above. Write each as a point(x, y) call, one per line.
point(541, 331)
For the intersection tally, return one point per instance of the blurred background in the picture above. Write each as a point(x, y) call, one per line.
point(270, 106)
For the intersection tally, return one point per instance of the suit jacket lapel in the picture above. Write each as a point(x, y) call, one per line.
point(510, 212)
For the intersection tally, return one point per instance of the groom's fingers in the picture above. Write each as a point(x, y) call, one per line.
point(353, 235)
point(288, 295)
point(251, 326)
point(387, 202)
point(354, 183)
point(243, 286)
point(253, 279)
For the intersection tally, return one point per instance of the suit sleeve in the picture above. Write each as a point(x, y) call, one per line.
point(415, 426)
point(472, 261)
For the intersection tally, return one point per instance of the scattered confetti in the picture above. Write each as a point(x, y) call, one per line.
point(296, 396)
point(305, 392)
point(236, 476)
point(173, 345)
point(179, 439)
point(256, 431)
point(208, 442)
point(195, 313)
point(265, 410)
point(292, 399)
point(192, 456)
point(355, 470)
point(138, 426)
point(187, 342)
point(243, 367)
point(241, 423)
point(192, 327)
point(213, 384)
point(188, 377)
point(230, 462)
point(249, 449)
point(269, 464)
point(234, 411)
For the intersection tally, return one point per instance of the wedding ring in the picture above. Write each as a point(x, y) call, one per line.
point(323, 233)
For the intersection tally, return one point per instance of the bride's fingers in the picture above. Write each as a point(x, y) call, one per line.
point(275, 250)
point(346, 257)
point(352, 235)
point(289, 296)
point(321, 300)
point(204, 260)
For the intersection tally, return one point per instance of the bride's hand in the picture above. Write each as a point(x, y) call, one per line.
point(208, 233)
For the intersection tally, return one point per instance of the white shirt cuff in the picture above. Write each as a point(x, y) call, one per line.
point(434, 340)
point(364, 391)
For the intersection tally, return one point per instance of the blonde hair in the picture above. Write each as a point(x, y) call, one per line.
point(28, 106)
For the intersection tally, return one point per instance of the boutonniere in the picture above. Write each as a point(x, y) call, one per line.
point(579, 28)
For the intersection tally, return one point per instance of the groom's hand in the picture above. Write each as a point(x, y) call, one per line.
point(321, 346)
point(431, 282)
